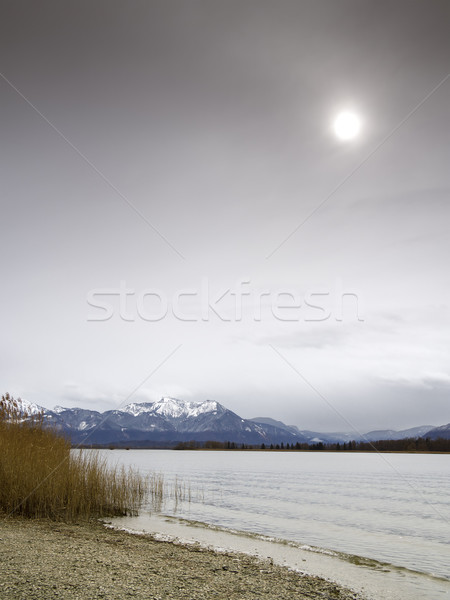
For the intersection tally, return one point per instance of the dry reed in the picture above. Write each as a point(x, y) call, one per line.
point(41, 477)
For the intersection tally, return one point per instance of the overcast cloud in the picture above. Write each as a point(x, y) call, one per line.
point(184, 150)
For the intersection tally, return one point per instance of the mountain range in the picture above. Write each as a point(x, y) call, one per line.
point(170, 421)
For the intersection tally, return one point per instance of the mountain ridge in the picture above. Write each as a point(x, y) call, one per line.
point(343, 436)
point(171, 420)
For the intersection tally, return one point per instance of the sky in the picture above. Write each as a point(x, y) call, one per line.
point(179, 218)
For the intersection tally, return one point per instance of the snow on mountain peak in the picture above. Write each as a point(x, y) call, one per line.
point(136, 409)
point(173, 408)
point(26, 407)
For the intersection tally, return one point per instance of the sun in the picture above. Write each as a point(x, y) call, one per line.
point(347, 125)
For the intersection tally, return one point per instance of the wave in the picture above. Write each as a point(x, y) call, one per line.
point(353, 559)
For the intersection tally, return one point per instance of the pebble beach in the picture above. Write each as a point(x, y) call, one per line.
point(45, 560)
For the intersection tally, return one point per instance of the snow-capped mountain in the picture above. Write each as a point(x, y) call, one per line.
point(174, 408)
point(74, 419)
point(171, 420)
point(27, 408)
point(168, 420)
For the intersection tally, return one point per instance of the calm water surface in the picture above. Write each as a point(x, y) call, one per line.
point(393, 508)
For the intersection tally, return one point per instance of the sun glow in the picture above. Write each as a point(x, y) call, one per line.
point(347, 125)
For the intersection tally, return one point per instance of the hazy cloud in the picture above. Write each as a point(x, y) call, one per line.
point(213, 120)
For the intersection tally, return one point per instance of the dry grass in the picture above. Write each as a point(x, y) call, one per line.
point(41, 477)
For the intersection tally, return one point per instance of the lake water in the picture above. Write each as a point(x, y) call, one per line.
point(391, 508)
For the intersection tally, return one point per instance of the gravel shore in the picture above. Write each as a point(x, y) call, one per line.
point(46, 560)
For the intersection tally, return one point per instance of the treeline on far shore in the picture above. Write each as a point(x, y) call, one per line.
point(405, 445)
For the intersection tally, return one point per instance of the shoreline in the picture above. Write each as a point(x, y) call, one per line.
point(276, 450)
point(56, 560)
point(371, 579)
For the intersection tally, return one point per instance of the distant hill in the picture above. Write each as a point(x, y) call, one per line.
point(391, 434)
point(440, 432)
point(338, 436)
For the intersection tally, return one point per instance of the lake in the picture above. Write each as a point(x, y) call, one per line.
point(390, 508)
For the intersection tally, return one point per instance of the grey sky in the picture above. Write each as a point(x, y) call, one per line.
point(213, 120)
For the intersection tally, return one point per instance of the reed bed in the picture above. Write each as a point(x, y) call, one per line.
point(41, 477)
point(161, 492)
